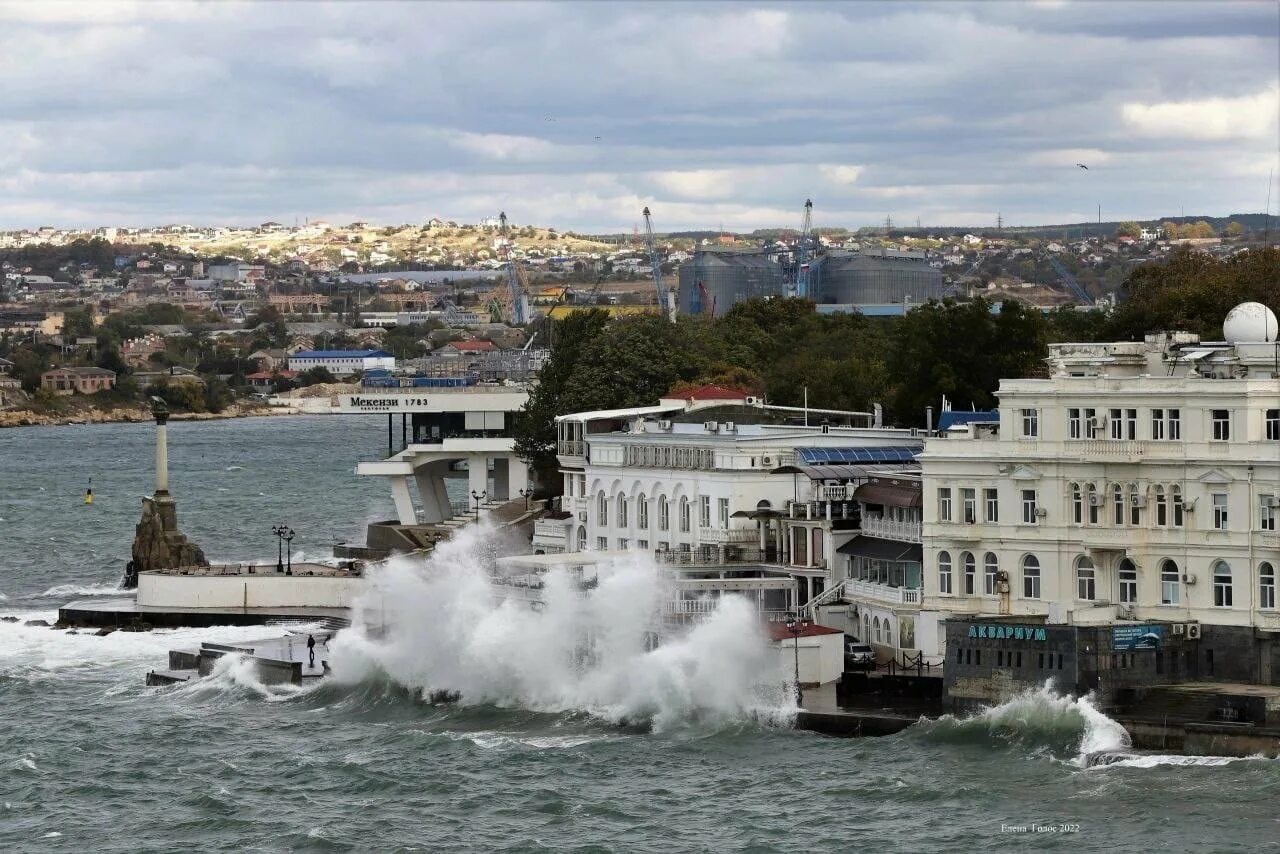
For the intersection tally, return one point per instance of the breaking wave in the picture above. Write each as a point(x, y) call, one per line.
point(442, 625)
point(1040, 721)
point(83, 590)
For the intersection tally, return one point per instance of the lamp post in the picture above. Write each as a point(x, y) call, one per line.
point(796, 626)
point(288, 552)
point(525, 493)
point(478, 497)
point(279, 530)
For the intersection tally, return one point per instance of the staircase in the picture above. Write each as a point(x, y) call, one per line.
point(1175, 704)
point(826, 597)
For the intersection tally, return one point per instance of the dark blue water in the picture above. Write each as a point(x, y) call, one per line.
point(90, 759)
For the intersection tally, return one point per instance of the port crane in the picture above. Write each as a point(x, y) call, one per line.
point(802, 252)
point(516, 305)
point(666, 301)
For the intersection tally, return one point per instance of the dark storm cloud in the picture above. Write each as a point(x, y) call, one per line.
point(579, 114)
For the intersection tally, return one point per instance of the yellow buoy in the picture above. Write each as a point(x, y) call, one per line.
point(88, 493)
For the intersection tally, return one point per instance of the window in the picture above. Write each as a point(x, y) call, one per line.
point(1029, 509)
point(944, 505)
point(623, 544)
point(1128, 582)
point(1117, 504)
point(1086, 579)
point(1157, 424)
point(990, 574)
point(684, 514)
point(722, 508)
point(664, 514)
point(969, 505)
point(1095, 503)
point(944, 572)
point(1092, 425)
point(642, 513)
point(602, 544)
point(1075, 427)
point(1162, 507)
point(1266, 585)
point(991, 501)
point(1115, 420)
point(1174, 425)
point(602, 509)
point(622, 510)
point(1031, 577)
point(1220, 420)
point(970, 573)
point(1272, 423)
point(1221, 584)
point(704, 511)
point(1267, 513)
point(642, 545)
point(1220, 511)
point(1175, 499)
point(1077, 504)
point(1131, 424)
point(1169, 583)
point(1136, 500)
point(1030, 423)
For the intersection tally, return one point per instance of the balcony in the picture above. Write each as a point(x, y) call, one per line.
point(706, 556)
point(891, 529)
point(823, 510)
point(728, 536)
point(836, 493)
point(882, 593)
point(1110, 449)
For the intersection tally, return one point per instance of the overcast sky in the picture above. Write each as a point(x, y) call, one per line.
point(579, 114)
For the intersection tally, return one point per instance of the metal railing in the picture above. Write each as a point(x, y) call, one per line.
point(823, 510)
point(883, 592)
point(891, 529)
point(831, 594)
point(720, 536)
point(711, 557)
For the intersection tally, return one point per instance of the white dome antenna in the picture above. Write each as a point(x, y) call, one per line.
point(1250, 322)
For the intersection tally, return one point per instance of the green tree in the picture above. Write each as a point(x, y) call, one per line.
point(316, 375)
point(1129, 228)
point(1234, 229)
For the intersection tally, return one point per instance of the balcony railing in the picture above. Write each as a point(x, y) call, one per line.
point(837, 493)
point(838, 510)
point(571, 449)
point(725, 536)
point(891, 529)
point(882, 592)
point(711, 557)
point(1110, 448)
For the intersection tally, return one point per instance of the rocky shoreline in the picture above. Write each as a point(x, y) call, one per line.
point(126, 414)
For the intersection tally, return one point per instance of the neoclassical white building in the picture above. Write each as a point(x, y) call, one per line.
point(1139, 481)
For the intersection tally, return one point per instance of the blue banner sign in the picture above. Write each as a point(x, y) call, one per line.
point(1137, 637)
point(1027, 633)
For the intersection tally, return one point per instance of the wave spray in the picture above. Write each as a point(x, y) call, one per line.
point(444, 624)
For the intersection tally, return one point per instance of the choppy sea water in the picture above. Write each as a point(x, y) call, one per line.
point(90, 759)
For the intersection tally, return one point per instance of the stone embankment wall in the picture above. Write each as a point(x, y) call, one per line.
point(138, 415)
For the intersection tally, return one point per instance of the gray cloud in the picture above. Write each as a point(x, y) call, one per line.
point(579, 114)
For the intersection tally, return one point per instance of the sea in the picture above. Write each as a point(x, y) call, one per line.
point(627, 748)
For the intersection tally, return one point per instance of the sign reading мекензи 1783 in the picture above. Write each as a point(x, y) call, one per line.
point(1028, 633)
point(1142, 636)
point(381, 403)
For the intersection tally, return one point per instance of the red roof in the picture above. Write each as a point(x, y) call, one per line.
point(778, 631)
point(711, 392)
point(474, 346)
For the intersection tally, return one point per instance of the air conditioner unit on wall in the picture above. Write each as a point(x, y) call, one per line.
point(1188, 578)
point(664, 425)
point(1193, 631)
point(1041, 513)
point(1268, 501)
point(711, 426)
point(1137, 499)
point(1095, 500)
point(1179, 629)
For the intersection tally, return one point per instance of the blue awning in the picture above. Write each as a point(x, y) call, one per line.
point(850, 456)
point(953, 418)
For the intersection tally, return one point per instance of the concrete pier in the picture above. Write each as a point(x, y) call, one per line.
point(276, 661)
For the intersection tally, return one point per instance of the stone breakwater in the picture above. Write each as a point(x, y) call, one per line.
point(125, 414)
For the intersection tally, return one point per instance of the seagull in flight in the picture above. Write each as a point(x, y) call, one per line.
point(1082, 166)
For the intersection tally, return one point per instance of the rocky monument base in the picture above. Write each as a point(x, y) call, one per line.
point(157, 542)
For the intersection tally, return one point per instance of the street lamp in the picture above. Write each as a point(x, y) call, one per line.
point(796, 627)
point(279, 530)
point(478, 497)
point(525, 493)
point(288, 552)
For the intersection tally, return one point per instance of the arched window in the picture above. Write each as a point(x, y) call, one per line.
point(1135, 505)
point(642, 512)
point(887, 627)
point(944, 572)
point(1162, 507)
point(602, 509)
point(1175, 498)
point(684, 514)
point(1077, 504)
point(1094, 501)
point(1266, 585)
point(875, 630)
point(970, 573)
point(1031, 577)
point(1170, 583)
point(866, 629)
point(1117, 504)
point(582, 538)
point(990, 574)
point(1086, 579)
point(1221, 584)
point(764, 505)
point(622, 510)
point(664, 514)
point(1128, 576)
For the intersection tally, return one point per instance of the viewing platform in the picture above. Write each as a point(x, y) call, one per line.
point(276, 661)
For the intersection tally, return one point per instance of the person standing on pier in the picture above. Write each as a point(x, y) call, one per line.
point(311, 649)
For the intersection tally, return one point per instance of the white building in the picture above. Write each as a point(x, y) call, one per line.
point(342, 363)
point(1139, 481)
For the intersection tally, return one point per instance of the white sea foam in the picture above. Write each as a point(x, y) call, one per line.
point(447, 628)
point(1156, 760)
point(235, 468)
point(83, 590)
point(233, 673)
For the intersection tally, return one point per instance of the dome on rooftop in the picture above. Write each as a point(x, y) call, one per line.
point(1250, 322)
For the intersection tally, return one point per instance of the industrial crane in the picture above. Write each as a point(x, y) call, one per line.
point(802, 255)
point(518, 311)
point(666, 302)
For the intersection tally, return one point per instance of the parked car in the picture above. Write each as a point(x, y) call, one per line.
point(858, 655)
